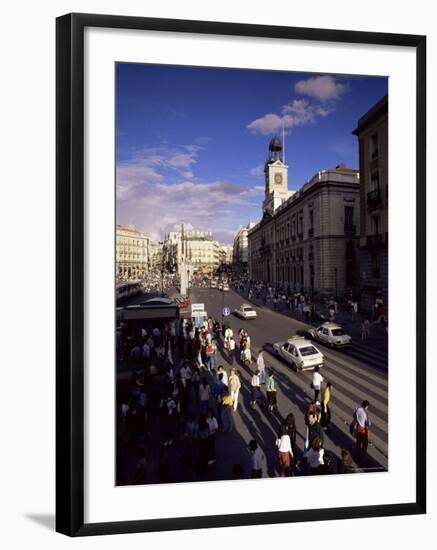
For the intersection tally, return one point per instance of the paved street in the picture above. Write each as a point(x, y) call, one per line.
point(355, 374)
point(353, 378)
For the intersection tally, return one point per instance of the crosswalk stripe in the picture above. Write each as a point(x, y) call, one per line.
point(368, 373)
point(342, 408)
point(302, 380)
point(332, 371)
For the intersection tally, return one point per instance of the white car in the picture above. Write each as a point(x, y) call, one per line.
point(213, 284)
point(300, 353)
point(245, 311)
point(331, 334)
point(225, 287)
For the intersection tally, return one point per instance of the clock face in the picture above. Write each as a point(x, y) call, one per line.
point(278, 179)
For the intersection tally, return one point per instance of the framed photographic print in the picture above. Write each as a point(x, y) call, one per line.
point(240, 300)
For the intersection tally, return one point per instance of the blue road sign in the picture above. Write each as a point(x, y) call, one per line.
point(226, 311)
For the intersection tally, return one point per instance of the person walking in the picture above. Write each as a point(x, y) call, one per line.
point(354, 309)
point(256, 390)
point(210, 351)
point(234, 387)
point(365, 329)
point(315, 456)
point(290, 424)
point(256, 459)
point(204, 395)
point(316, 383)
point(285, 452)
point(362, 425)
point(314, 430)
point(221, 371)
point(325, 418)
point(246, 356)
point(231, 351)
point(261, 366)
point(228, 335)
point(271, 391)
point(226, 417)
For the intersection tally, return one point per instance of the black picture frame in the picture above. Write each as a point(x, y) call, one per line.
point(70, 273)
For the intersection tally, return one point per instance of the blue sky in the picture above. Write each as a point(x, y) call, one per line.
point(191, 141)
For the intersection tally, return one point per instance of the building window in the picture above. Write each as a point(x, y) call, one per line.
point(374, 182)
point(349, 226)
point(348, 215)
point(376, 225)
point(374, 150)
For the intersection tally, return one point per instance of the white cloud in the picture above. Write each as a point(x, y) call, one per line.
point(322, 88)
point(156, 207)
point(144, 166)
point(268, 124)
point(297, 113)
point(181, 160)
point(147, 200)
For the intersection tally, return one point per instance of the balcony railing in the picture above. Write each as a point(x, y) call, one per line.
point(350, 229)
point(374, 198)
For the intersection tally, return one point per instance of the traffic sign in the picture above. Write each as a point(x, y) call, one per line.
point(226, 311)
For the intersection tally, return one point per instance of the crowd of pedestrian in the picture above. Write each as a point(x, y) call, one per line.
point(178, 396)
point(303, 306)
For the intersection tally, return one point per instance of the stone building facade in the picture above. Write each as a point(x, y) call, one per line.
point(225, 254)
point(240, 249)
point(132, 257)
point(310, 241)
point(372, 133)
point(197, 247)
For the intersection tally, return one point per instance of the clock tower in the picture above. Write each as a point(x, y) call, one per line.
point(276, 178)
